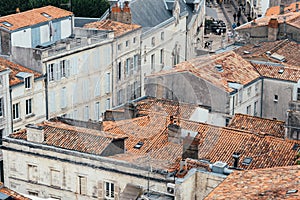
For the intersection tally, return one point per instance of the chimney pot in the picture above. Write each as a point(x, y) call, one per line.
point(236, 157)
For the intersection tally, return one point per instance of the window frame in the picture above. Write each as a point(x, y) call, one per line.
point(16, 111)
point(27, 82)
point(109, 190)
point(28, 107)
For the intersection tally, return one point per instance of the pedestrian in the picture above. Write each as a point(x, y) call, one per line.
point(233, 25)
point(249, 18)
point(234, 16)
point(238, 24)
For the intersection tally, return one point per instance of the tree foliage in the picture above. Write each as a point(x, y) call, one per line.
point(80, 8)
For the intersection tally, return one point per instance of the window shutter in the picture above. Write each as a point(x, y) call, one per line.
point(57, 72)
point(117, 191)
point(107, 81)
point(75, 96)
point(75, 65)
point(83, 185)
point(63, 98)
point(68, 68)
point(97, 87)
point(100, 189)
point(131, 65)
point(52, 101)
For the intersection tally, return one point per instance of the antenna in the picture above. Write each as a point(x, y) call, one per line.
point(69, 5)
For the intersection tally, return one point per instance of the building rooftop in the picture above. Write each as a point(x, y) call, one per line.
point(270, 183)
point(258, 125)
point(291, 18)
point(6, 191)
point(219, 69)
point(15, 69)
point(32, 17)
point(275, 10)
point(290, 50)
point(119, 28)
point(287, 73)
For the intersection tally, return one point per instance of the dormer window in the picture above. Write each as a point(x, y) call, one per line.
point(6, 24)
point(27, 82)
point(46, 15)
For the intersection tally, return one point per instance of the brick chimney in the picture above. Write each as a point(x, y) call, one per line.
point(174, 131)
point(273, 29)
point(281, 9)
point(190, 147)
point(35, 133)
point(121, 14)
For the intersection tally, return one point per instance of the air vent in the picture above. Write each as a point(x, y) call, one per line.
point(280, 71)
point(138, 145)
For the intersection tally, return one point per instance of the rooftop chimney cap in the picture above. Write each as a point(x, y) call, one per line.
point(236, 155)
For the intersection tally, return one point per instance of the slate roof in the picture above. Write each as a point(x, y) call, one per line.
point(289, 49)
point(258, 125)
point(118, 27)
point(15, 69)
point(286, 73)
point(292, 19)
point(235, 69)
point(150, 13)
point(11, 193)
point(271, 183)
point(33, 17)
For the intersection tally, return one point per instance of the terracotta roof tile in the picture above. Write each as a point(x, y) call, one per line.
point(234, 69)
point(278, 72)
point(273, 183)
point(119, 28)
point(289, 49)
point(32, 17)
point(15, 69)
point(275, 10)
point(264, 21)
point(258, 125)
point(9, 192)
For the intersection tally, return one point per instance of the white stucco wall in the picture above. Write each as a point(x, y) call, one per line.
point(21, 38)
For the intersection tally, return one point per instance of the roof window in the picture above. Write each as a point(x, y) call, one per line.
point(247, 161)
point(46, 15)
point(295, 147)
point(138, 145)
point(6, 24)
point(280, 71)
point(291, 191)
point(219, 68)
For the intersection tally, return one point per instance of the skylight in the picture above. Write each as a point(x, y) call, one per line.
point(6, 24)
point(138, 145)
point(247, 161)
point(46, 15)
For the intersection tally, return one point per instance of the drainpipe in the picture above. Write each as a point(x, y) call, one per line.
point(261, 97)
point(11, 115)
point(233, 104)
point(46, 95)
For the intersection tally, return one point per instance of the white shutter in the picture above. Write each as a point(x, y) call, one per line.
point(107, 83)
point(52, 101)
point(117, 191)
point(97, 87)
point(100, 189)
point(75, 65)
point(68, 68)
point(63, 98)
point(75, 96)
point(57, 72)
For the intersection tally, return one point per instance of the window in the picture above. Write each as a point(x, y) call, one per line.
point(27, 82)
point(127, 43)
point(153, 41)
point(298, 94)
point(1, 80)
point(162, 36)
point(127, 66)
point(152, 61)
point(107, 103)
point(107, 81)
point(249, 91)
point(161, 60)
point(51, 72)
point(109, 190)
point(32, 193)
point(55, 178)
point(240, 96)
point(119, 47)
point(86, 113)
point(249, 110)
point(255, 108)
point(275, 98)
point(63, 98)
point(119, 71)
point(134, 40)
point(7, 24)
point(97, 111)
point(32, 173)
point(1, 107)
point(256, 88)
point(16, 111)
point(135, 62)
point(81, 185)
point(28, 106)
point(63, 69)
point(46, 15)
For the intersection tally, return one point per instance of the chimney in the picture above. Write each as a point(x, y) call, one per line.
point(190, 147)
point(121, 14)
point(272, 29)
point(281, 9)
point(236, 157)
point(130, 111)
point(35, 133)
point(297, 7)
point(174, 131)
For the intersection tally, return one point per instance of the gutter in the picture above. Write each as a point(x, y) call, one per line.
point(46, 94)
point(262, 97)
point(11, 114)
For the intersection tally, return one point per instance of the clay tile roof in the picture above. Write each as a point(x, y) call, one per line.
point(169, 107)
point(289, 49)
point(264, 21)
point(15, 69)
point(235, 69)
point(32, 17)
point(275, 10)
point(258, 125)
point(271, 183)
point(13, 194)
point(119, 28)
point(219, 144)
point(278, 72)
